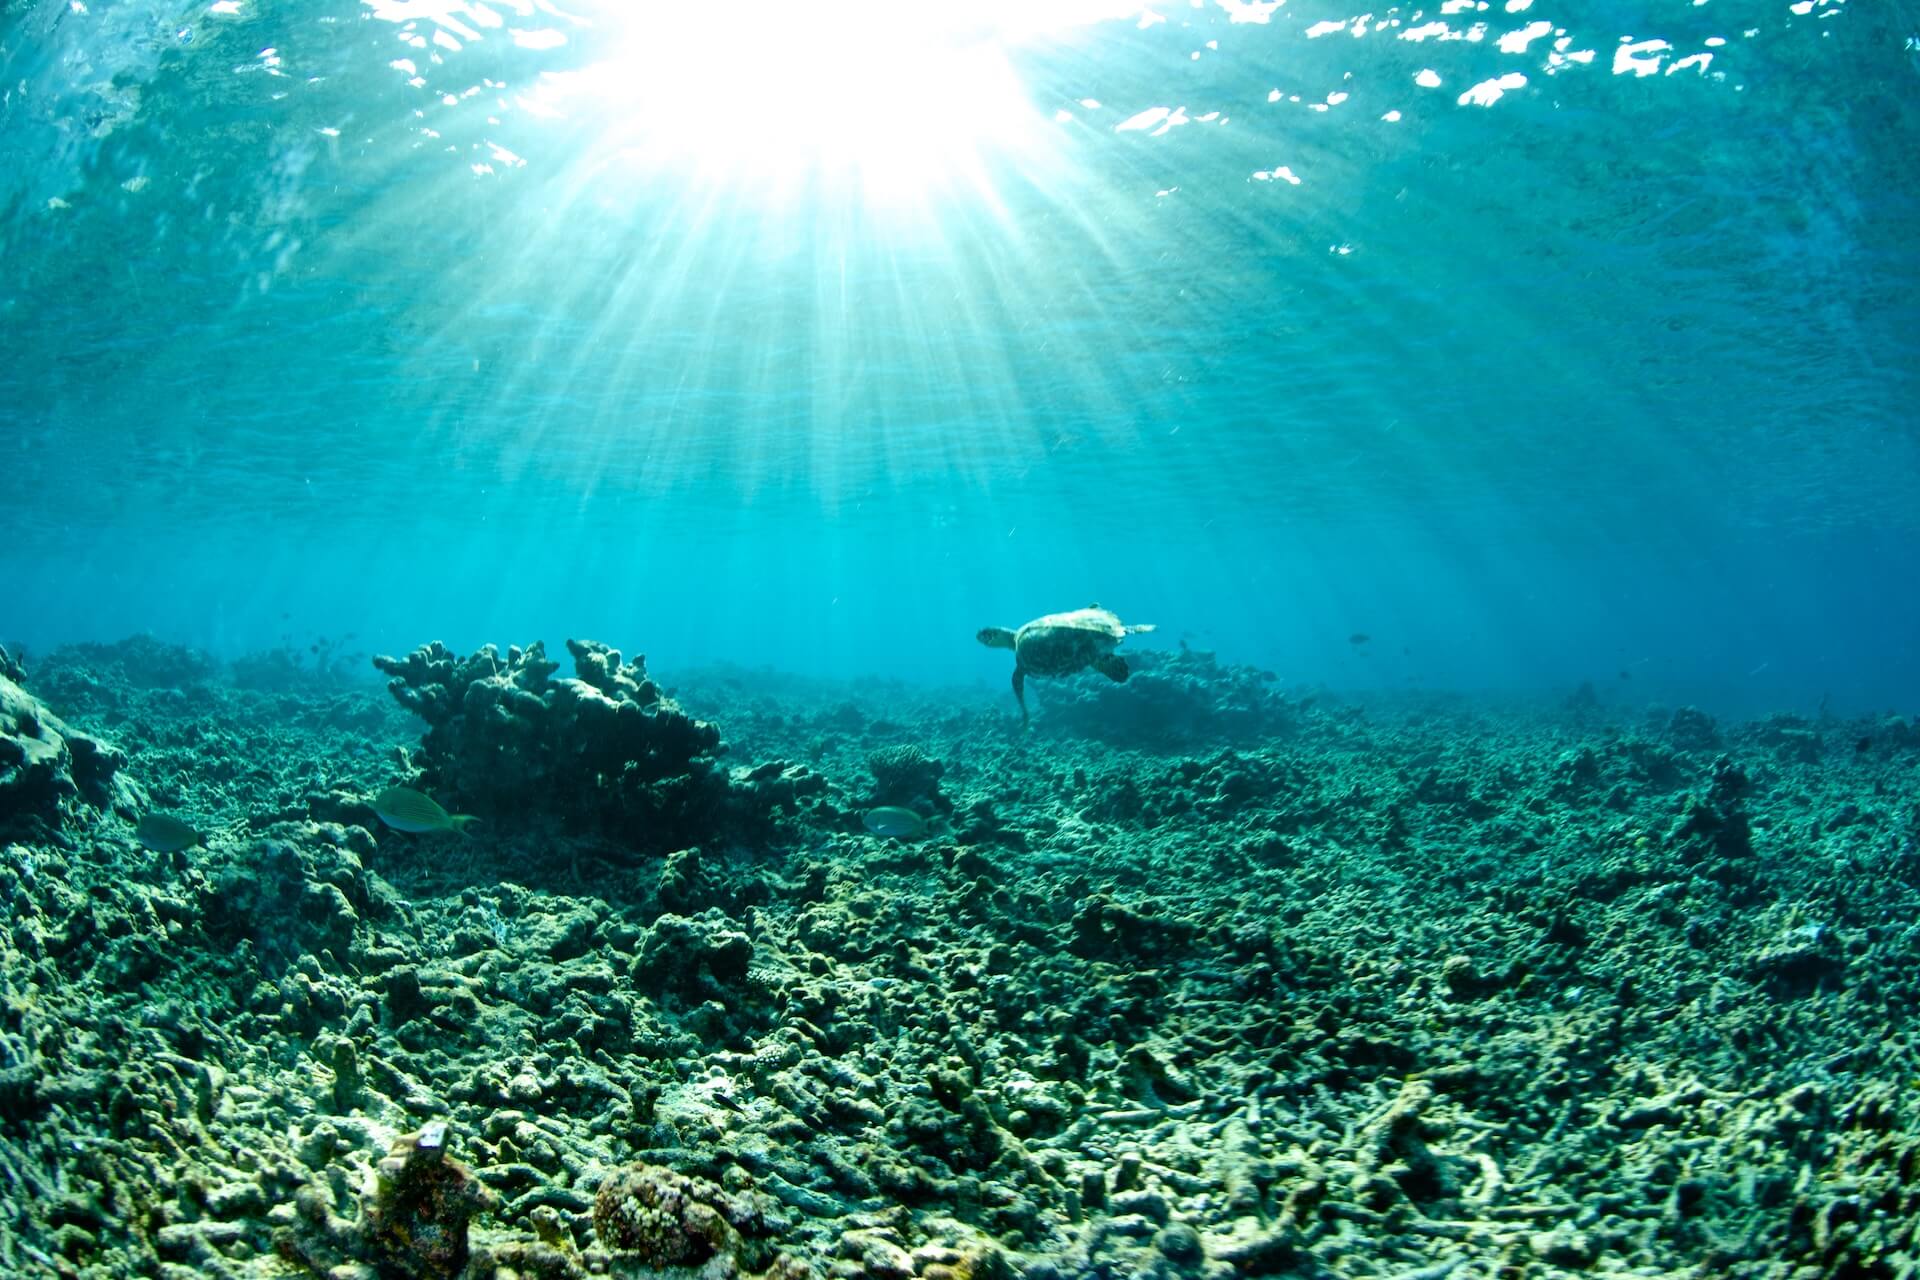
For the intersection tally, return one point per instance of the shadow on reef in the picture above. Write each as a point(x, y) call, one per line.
point(1418, 989)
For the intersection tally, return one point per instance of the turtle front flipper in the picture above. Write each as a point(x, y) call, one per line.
point(1020, 692)
point(1113, 667)
point(995, 637)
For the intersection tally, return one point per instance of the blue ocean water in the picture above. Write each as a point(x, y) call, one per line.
point(1536, 343)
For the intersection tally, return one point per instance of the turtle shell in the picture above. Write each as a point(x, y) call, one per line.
point(1062, 643)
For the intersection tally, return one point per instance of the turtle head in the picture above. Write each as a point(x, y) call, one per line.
point(996, 637)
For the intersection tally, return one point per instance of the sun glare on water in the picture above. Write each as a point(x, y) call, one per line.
point(769, 240)
point(895, 102)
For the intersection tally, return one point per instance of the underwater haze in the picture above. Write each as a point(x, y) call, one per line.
point(1537, 346)
point(997, 640)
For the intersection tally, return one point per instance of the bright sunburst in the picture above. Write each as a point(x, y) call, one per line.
point(776, 242)
point(896, 103)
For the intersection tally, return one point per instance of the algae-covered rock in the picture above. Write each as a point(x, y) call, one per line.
point(52, 775)
point(415, 1215)
point(665, 1219)
point(300, 889)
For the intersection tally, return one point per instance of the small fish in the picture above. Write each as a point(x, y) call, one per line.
point(1358, 638)
point(162, 834)
point(405, 809)
point(891, 820)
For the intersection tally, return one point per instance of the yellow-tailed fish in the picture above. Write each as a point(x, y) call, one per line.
point(405, 809)
point(891, 820)
point(163, 834)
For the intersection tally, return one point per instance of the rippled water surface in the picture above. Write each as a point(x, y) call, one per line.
point(1538, 342)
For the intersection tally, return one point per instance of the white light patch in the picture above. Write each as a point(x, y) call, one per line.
point(1257, 11)
point(1519, 6)
point(539, 38)
point(1328, 28)
point(1700, 60)
point(895, 99)
point(1280, 173)
point(1517, 41)
point(1141, 120)
point(1488, 92)
point(1428, 79)
point(1392, 117)
point(1642, 59)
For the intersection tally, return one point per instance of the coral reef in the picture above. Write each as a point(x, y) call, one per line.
point(1418, 988)
point(602, 751)
point(50, 774)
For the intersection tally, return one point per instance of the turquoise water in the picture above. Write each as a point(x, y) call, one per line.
point(716, 337)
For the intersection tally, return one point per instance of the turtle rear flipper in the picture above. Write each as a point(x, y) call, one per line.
point(995, 637)
point(1020, 692)
point(1113, 667)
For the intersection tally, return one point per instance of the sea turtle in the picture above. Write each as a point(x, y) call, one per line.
point(1061, 644)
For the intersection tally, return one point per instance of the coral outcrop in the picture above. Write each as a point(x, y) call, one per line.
point(906, 776)
point(52, 775)
point(603, 750)
point(415, 1215)
point(1173, 697)
point(666, 1219)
